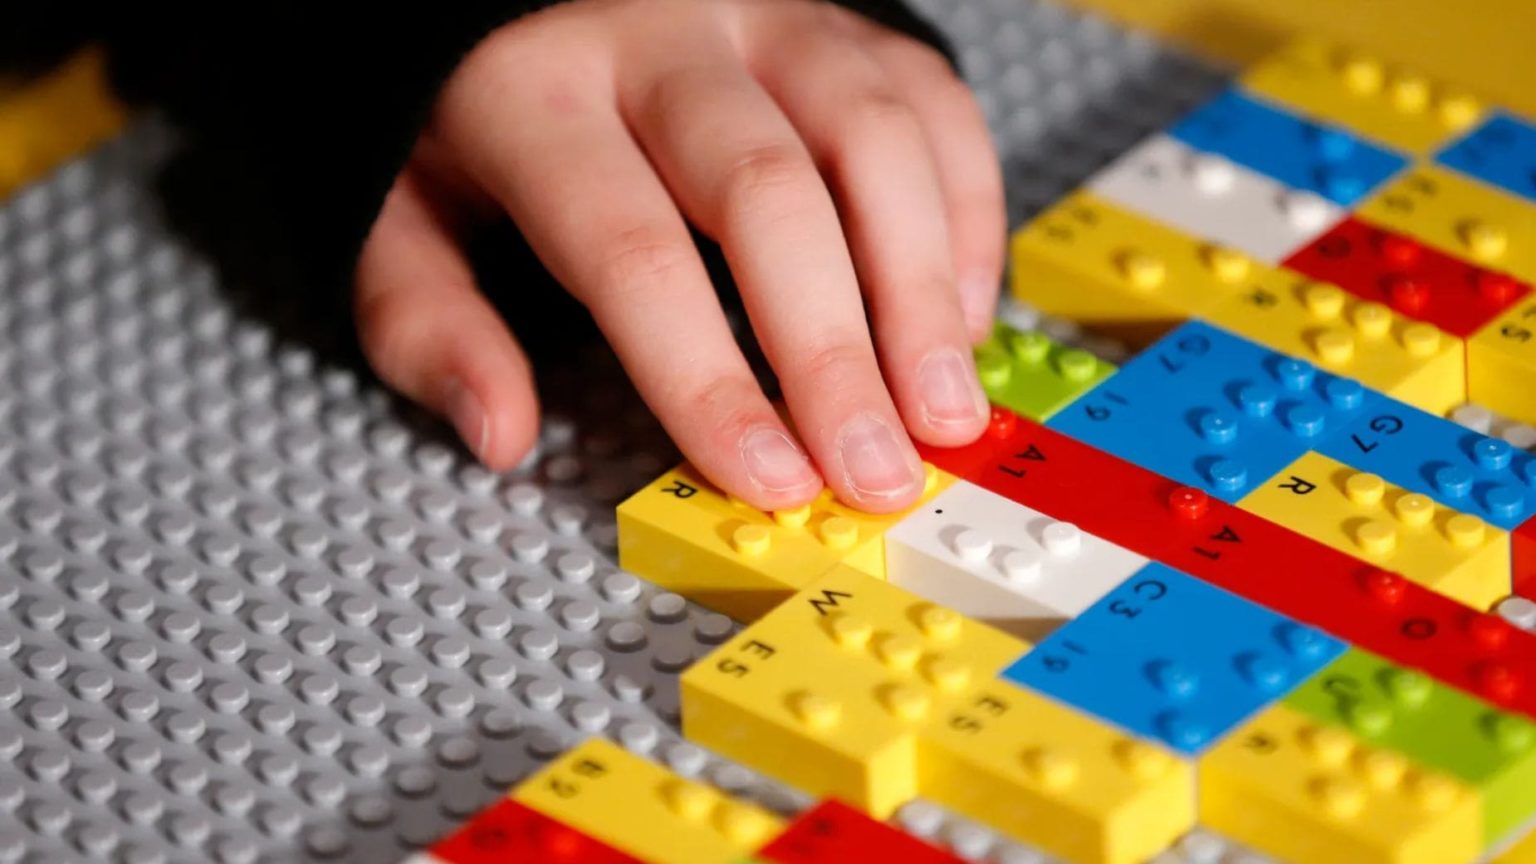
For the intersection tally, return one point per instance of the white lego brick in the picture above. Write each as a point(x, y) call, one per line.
point(1001, 562)
point(1211, 197)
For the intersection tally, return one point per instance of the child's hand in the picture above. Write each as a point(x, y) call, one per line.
point(822, 152)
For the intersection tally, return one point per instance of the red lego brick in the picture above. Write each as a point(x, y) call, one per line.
point(1418, 281)
point(508, 831)
point(968, 461)
point(1523, 550)
point(1264, 562)
point(834, 833)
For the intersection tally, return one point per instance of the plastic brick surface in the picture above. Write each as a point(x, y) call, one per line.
point(832, 832)
point(1031, 375)
point(509, 831)
point(1169, 656)
point(1501, 152)
point(1460, 217)
point(1213, 410)
point(1311, 155)
point(1436, 727)
point(1501, 358)
point(1416, 280)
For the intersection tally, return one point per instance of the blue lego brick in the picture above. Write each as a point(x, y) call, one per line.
point(1307, 154)
point(1168, 656)
point(1501, 152)
point(1421, 452)
point(1213, 410)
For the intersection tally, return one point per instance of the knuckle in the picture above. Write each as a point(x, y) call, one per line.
point(879, 117)
point(640, 261)
point(388, 326)
point(728, 405)
point(765, 174)
point(834, 364)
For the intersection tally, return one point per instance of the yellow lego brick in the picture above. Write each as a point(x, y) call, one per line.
point(1304, 792)
point(640, 807)
point(1056, 778)
point(1461, 217)
point(1457, 554)
point(1408, 360)
point(829, 691)
point(687, 536)
point(1522, 851)
point(46, 122)
point(1108, 269)
point(1393, 104)
point(1119, 272)
point(1501, 363)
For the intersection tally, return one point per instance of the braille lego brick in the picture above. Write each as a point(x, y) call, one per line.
point(828, 691)
point(1001, 563)
point(1435, 456)
point(684, 534)
point(1031, 375)
point(641, 808)
point(965, 837)
point(1306, 154)
point(1436, 727)
point(1522, 542)
point(1386, 102)
point(1046, 774)
point(1501, 151)
point(1460, 217)
point(1263, 562)
point(510, 831)
point(1215, 199)
point(1309, 792)
point(1501, 360)
point(55, 118)
point(833, 832)
point(1169, 656)
point(1456, 554)
point(1213, 410)
point(1416, 280)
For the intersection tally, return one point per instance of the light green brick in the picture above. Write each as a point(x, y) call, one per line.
point(1033, 376)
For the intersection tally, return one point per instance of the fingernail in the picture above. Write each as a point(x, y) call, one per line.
point(874, 460)
point(468, 417)
point(978, 300)
point(773, 461)
point(950, 391)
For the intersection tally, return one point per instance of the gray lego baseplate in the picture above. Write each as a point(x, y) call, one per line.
point(254, 609)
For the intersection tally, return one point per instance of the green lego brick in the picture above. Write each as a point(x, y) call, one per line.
point(1433, 725)
point(1033, 376)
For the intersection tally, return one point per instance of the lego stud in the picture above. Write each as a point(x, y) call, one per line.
point(1362, 75)
point(839, 532)
point(1407, 687)
point(1228, 265)
point(1144, 271)
point(1307, 421)
point(1376, 539)
point(1421, 340)
point(1433, 792)
point(688, 800)
point(1052, 769)
point(814, 710)
point(1181, 731)
point(1496, 287)
point(939, 623)
point(1212, 174)
point(1077, 366)
point(1029, 348)
point(1485, 240)
point(1409, 93)
point(1229, 475)
point(1218, 427)
point(1263, 672)
point(752, 541)
point(1332, 145)
point(1188, 503)
point(1295, 375)
point(1368, 718)
point(972, 546)
point(796, 517)
point(1490, 632)
point(742, 825)
point(1374, 320)
point(1344, 394)
point(1512, 734)
point(1329, 746)
point(1496, 681)
point(1382, 769)
point(1504, 502)
point(1062, 539)
point(1453, 481)
point(1466, 531)
point(1142, 760)
point(1334, 346)
point(1323, 302)
point(1364, 490)
point(1300, 641)
point(906, 702)
point(992, 368)
point(1384, 587)
point(1257, 401)
point(850, 631)
point(898, 652)
point(1458, 111)
point(1341, 185)
point(1305, 211)
point(1399, 251)
point(1172, 679)
point(1492, 454)
point(1022, 566)
point(1339, 797)
point(949, 676)
point(1414, 510)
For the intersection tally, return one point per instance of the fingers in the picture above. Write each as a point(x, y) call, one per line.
point(429, 332)
point(966, 160)
point(558, 157)
point(740, 171)
point(872, 150)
